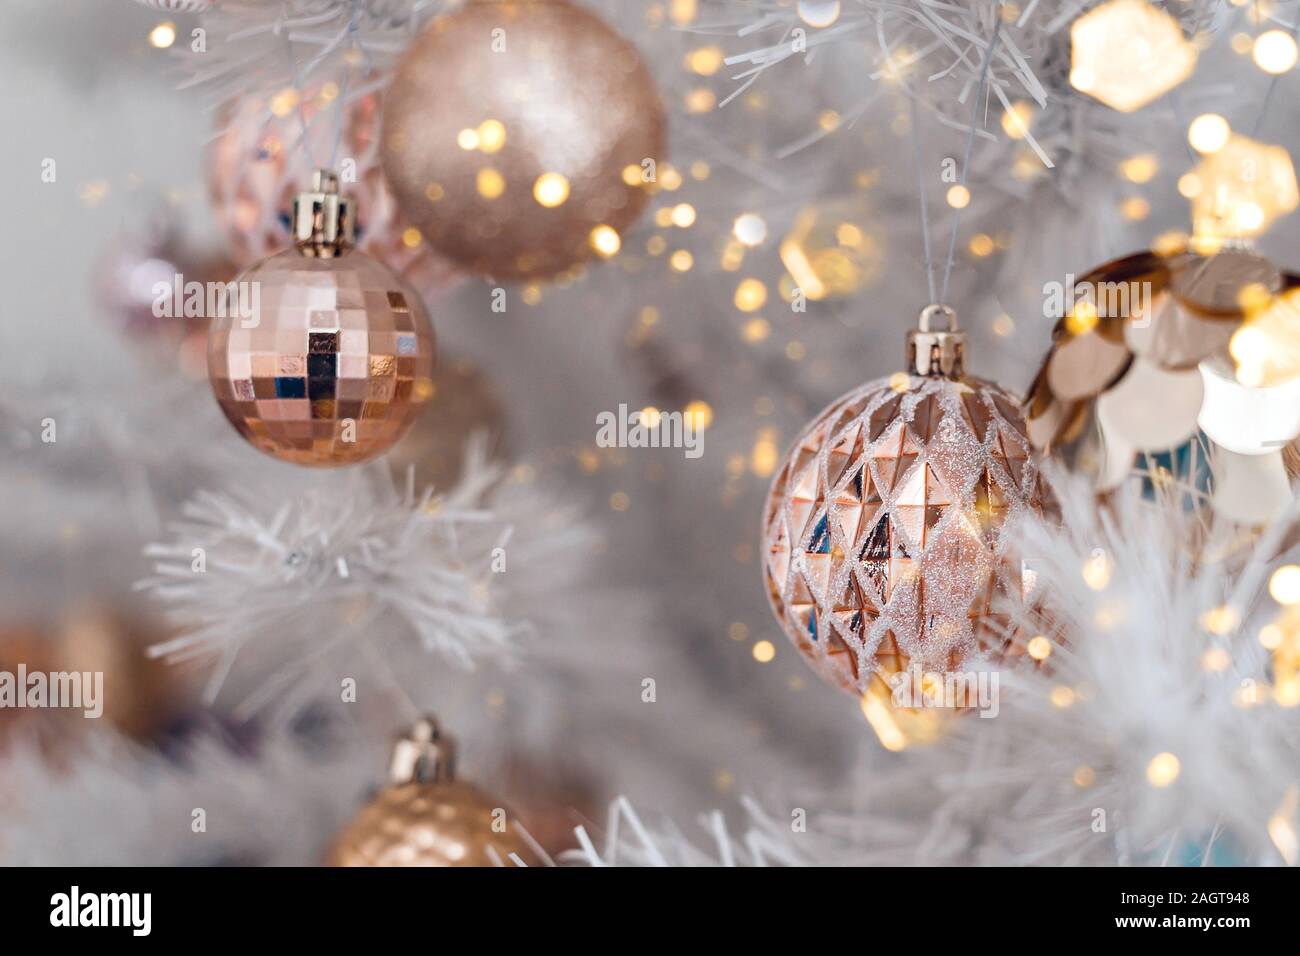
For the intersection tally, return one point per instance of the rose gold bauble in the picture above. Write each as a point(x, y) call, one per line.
point(508, 130)
point(881, 529)
point(427, 818)
point(258, 163)
point(338, 360)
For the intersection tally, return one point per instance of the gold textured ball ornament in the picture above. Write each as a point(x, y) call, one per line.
point(425, 817)
point(323, 356)
point(518, 136)
point(881, 530)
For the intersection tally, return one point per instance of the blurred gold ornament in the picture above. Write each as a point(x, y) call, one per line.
point(881, 529)
point(334, 359)
point(137, 694)
point(828, 254)
point(463, 403)
point(1241, 188)
point(575, 107)
point(1127, 53)
point(425, 817)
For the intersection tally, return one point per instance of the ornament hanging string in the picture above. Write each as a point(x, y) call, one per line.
point(920, 186)
point(970, 144)
point(1272, 85)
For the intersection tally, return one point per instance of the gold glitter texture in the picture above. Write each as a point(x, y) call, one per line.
point(567, 100)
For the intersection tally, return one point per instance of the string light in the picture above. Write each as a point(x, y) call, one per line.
point(163, 35)
point(1208, 133)
point(1163, 769)
point(751, 295)
point(1274, 51)
point(605, 240)
point(1127, 53)
point(1284, 585)
point(750, 229)
point(551, 189)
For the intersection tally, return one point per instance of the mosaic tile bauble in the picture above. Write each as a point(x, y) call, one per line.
point(335, 366)
point(881, 528)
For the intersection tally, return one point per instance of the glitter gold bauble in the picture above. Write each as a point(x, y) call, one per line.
point(425, 817)
point(517, 135)
point(882, 527)
point(324, 356)
point(261, 157)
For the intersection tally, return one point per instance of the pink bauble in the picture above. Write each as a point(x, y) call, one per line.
point(259, 162)
point(881, 532)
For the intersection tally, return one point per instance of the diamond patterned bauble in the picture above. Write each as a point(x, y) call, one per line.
point(882, 526)
point(521, 138)
point(330, 356)
point(427, 818)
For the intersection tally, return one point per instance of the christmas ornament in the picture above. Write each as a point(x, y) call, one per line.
point(881, 527)
point(462, 405)
point(425, 817)
point(337, 358)
point(134, 268)
point(260, 158)
point(1127, 53)
point(520, 137)
point(1158, 354)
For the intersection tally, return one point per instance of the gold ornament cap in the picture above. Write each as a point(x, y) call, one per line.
point(423, 755)
point(324, 223)
point(935, 352)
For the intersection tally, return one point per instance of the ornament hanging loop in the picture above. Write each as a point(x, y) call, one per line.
point(423, 755)
point(323, 221)
point(933, 351)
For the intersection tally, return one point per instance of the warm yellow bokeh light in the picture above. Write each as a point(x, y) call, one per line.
point(1140, 168)
point(1274, 51)
point(551, 189)
point(605, 240)
point(764, 651)
point(1208, 133)
point(1127, 53)
point(1039, 648)
point(751, 295)
point(1284, 584)
point(163, 35)
point(1163, 769)
point(1015, 121)
point(491, 135)
point(750, 229)
point(958, 197)
point(490, 183)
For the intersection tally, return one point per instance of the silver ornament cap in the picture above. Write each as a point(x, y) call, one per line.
point(937, 352)
point(423, 755)
point(324, 223)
